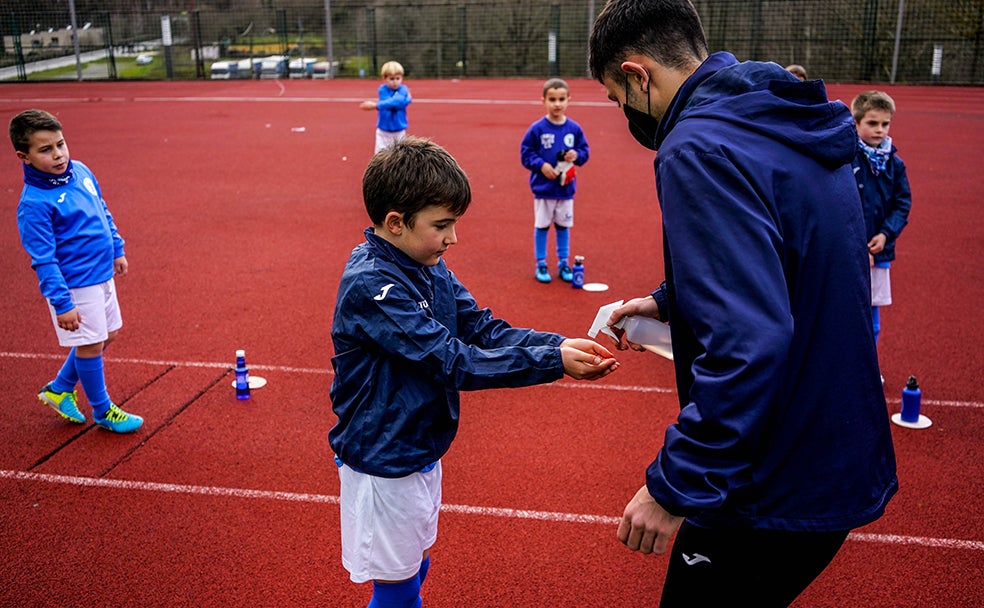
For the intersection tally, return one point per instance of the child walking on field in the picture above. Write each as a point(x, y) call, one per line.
point(407, 337)
point(551, 148)
point(75, 249)
point(884, 189)
point(394, 97)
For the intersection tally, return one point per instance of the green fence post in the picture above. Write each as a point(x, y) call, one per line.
point(110, 55)
point(462, 40)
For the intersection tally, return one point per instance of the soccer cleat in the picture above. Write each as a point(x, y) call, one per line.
point(66, 404)
point(542, 273)
point(565, 273)
point(118, 421)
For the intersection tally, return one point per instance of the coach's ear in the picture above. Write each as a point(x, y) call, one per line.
point(393, 223)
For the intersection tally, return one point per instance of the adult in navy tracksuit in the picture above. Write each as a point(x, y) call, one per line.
point(782, 444)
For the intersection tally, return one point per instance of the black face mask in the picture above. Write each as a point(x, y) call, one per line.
point(642, 126)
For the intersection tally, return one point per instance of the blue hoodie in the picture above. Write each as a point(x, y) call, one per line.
point(407, 339)
point(783, 422)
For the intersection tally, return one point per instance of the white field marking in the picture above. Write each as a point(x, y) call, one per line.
point(328, 372)
point(209, 99)
point(547, 516)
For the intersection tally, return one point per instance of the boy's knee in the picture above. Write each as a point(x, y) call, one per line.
point(90, 350)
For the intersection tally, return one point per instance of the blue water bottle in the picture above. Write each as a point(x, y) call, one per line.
point(242, 376)
point(577, 280)
point(911, 400)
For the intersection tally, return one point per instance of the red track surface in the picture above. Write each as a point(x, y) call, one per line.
point(237, 228)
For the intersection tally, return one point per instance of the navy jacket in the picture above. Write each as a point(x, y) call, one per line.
point(885, 200)
point(783, 422)
point(542, 143)
point(407, 338)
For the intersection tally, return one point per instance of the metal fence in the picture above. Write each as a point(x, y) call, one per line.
point(905, 41)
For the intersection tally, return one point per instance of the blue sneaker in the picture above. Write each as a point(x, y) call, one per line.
point(66, 404)
point(118, 421)
point(542, 273)
point(565, 273)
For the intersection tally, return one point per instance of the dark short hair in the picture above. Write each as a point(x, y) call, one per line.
point(25, 124)
point(410, 175)
point(668, 31)
point(555, 83)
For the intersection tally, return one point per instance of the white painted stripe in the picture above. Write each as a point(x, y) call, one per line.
point(547, 516)
point(344, 100)
point(936, 543)
point(328, 372)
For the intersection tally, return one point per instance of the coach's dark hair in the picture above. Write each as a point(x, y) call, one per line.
point(669, 31)
point(26, 124)
point(410, 175)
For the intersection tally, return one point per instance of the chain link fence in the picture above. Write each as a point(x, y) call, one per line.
point(904, 41)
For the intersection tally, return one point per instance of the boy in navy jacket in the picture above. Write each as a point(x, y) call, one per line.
point(884, 190)
point(407, 337)
point(75, 250)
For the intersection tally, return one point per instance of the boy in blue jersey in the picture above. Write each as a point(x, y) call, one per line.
point(407, 337)
point(551, 149)
point(75, 249)
point(394, 97)
point(884, 190)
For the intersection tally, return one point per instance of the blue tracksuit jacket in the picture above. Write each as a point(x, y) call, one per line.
point(407, 339)
point(541, 144)
point(783, 422)
point(69, 234)
point(392, 108)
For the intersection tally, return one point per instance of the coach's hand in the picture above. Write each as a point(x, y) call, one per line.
point(647, 527)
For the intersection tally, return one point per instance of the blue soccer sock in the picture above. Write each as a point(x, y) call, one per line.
point(93, 383)
point(405, 594)
point(563, 243)
point(424, 567)
point(876, 322)
point(540, 244)
point(67, 376)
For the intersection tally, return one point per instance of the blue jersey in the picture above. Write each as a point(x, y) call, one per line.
point(69, 234)
point(407, 339)
point(543, 143)
point(783, 422)
point(392, 108)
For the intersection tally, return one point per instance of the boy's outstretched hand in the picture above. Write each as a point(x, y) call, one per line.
point(586, 359)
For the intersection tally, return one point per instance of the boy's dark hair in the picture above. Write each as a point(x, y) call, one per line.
point(410, 175)
point(871, 100)
point(669, 31)
point(25, 124)
point(555, 83)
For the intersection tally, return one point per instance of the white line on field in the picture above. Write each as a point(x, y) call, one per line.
point(547, 516)
point(326, 371)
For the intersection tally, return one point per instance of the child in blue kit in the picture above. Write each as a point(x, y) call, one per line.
point(394, 97)
point(550, 150)
point(75, 249)
point(884, 189)
point(407, 337)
